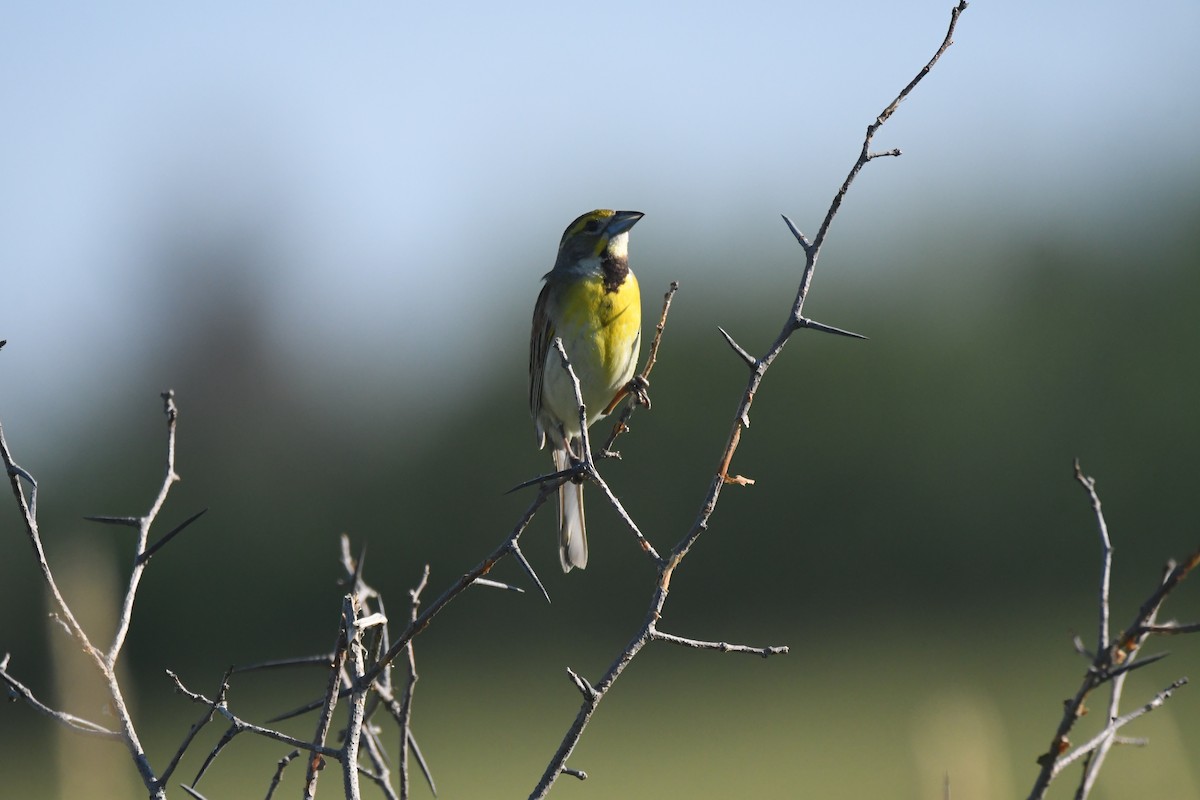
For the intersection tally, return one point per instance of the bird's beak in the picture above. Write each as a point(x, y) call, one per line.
point(623, 221)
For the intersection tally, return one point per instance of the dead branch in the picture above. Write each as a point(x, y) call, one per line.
point(1113, 660)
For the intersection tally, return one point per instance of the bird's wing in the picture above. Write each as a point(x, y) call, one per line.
point(539, 345)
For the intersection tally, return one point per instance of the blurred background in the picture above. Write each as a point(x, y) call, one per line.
point(324, 227)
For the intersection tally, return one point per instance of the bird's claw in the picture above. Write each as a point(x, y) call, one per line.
point(639, 387)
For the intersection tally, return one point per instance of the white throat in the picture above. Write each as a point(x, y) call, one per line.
point(618, 245)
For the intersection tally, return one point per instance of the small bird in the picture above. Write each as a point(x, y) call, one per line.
point(592, 302)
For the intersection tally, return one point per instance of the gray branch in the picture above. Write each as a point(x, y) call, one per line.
point(1113, 660)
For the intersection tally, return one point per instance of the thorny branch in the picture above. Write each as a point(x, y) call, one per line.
point(622, 423)
point(17, 689)
point(362, 612)
point(346, 665)
point(359, 735)
point(325, 720)
point(1112, 662)
point(238, 725)
point(355, 668)
point(404, 718)
point(594, 693)
point(465, 581)
point(104, 659)
point(548, 486)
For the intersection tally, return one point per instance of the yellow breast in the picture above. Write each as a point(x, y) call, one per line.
point(601, 331)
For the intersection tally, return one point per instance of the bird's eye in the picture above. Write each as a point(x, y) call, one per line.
point(592, 226)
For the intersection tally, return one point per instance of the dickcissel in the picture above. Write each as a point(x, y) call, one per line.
point(591, 301)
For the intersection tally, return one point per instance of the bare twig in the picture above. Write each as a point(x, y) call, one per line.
point(248, 727)
point(405, 717)
point(144, 524)
point(317, 752)
point(79, 724)
point(622, 423)
point(380, 773)
point(315, 762)
point(1171, 628)
point(1112, 662)
point(196, 726)
point(724, 647)
point(358, 697)
point(104, 660)
point(1098, 754)
point(1089, 486)
point(1108, 737)
point(280, 766)
point(28, 511)
point(362, 616)
point(866, 154)
point(464, 582)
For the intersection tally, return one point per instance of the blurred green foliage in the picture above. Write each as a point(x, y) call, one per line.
point(913, 534)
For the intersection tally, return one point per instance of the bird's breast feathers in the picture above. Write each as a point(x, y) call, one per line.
point(601, 332)
point(611, 319)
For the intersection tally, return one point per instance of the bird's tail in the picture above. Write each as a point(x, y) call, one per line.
point(572, 536)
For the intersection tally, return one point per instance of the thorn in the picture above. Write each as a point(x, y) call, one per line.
point(585, 688)
point(1131, 666)
point(154, 548)
point(1081, 648)
point(416, 751)
point(525, 565)
point(800, 237)
point(191, 791)
point(131, 522)
point(805, 322)
point(570, 472)
point(751, 362)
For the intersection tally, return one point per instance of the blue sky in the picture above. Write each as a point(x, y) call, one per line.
point(409, 167)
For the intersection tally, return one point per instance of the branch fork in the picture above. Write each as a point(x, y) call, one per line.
point(1112, 662)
